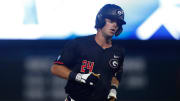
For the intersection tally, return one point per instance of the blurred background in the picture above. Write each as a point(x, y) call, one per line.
point(32, 33)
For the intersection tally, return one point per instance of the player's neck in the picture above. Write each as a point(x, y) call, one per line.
point(103, 41)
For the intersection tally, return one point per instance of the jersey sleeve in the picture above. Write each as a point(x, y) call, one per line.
point(119, 73)
point(67, 55)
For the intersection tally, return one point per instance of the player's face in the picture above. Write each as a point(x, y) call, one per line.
point(110, 28)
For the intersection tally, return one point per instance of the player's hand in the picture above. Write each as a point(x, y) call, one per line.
point(112, 95)
point(112, 99)
point(89, 79)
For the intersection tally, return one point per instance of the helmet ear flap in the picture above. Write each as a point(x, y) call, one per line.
point(118, 32)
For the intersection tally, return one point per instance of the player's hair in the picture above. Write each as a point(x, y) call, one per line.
point(112, 12)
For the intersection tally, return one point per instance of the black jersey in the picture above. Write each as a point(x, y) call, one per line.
point(84, 55)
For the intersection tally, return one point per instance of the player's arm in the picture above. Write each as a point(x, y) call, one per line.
point(116, 79)
point(61, 66)
point(65, 62)
point(112, 96)
point(61, 71)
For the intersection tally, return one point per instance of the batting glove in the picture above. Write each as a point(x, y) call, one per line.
point(89, 79)
point(112, 94)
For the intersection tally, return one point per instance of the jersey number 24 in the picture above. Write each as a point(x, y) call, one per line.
point(87, 65)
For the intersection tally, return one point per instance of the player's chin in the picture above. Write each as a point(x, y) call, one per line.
point(111, 34)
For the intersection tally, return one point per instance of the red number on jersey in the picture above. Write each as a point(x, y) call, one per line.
point(90, 66)
point(84, 63)
point(87, 65)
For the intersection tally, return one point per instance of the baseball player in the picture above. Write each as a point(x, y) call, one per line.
point(92, 64)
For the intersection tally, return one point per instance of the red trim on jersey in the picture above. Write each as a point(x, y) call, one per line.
point(58, 62)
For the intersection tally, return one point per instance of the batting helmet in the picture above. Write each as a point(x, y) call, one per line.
point(113, 12)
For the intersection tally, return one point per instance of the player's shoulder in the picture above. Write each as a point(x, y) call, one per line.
point(79, 41)
point(118, 48)
point(82, 39)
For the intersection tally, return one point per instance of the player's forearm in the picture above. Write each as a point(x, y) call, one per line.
point(115, 82)
point(112, 96)
point(64, 72)
point(60, 71)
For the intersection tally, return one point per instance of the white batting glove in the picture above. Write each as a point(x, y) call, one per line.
point(112, 94)
point(89, 79)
